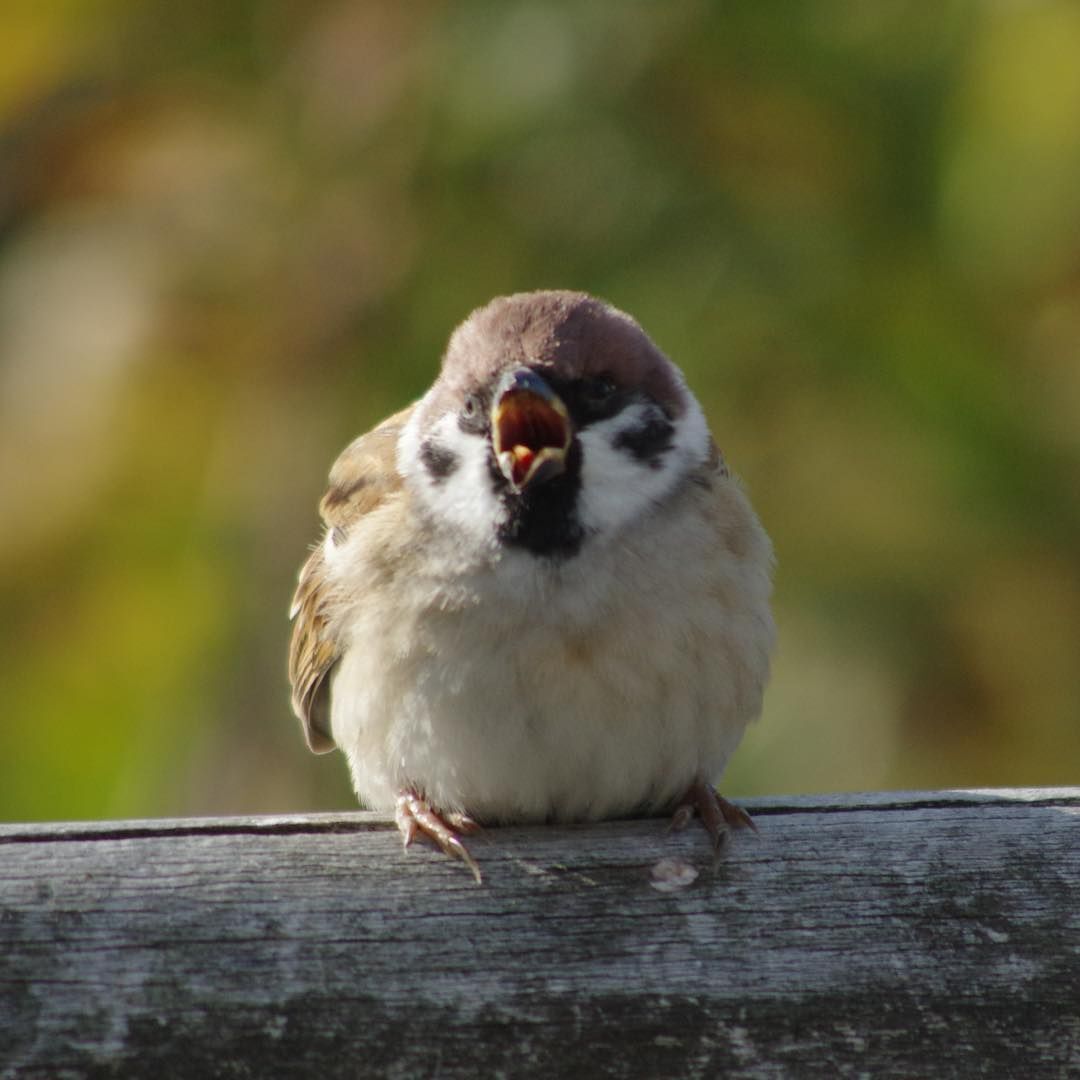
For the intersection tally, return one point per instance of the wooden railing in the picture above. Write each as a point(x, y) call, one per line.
point(893, 934)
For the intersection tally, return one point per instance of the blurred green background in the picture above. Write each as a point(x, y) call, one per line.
point(234, 235)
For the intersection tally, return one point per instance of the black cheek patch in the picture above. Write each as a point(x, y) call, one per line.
point(438, 460)
point(649, 442)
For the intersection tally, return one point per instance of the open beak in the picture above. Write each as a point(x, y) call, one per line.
point(530, 429)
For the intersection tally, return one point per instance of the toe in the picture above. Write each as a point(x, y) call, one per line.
point(414, 816)
point(718, 816)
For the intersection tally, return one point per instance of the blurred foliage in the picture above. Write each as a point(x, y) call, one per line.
point(232, 236)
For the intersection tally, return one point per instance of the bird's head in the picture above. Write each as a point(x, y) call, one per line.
point(554, 420)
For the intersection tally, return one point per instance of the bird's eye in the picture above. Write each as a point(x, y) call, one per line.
point(472, 413)
point(598, 393)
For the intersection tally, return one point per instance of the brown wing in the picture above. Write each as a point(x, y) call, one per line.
point(712, 467)
point(360, 480)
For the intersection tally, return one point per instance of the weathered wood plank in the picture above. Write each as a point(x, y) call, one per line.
point(892, 934)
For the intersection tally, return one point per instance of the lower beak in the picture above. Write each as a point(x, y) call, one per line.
point(530, 430)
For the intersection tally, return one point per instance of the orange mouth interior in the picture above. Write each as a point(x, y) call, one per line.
point(531, 437)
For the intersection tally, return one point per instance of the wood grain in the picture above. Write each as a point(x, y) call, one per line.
point(888, 934)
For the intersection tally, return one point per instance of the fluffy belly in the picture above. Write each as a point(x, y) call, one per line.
point(562, 726)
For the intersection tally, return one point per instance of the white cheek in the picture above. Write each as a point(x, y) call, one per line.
point(465, 498)
point(616, 486)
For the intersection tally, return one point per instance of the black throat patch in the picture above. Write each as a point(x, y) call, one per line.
point(543, 519)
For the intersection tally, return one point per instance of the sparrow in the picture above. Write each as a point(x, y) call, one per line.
point(540, 596)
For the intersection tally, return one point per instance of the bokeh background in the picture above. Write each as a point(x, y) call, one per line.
point(234, 235)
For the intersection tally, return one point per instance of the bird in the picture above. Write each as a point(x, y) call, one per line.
point(541, 596)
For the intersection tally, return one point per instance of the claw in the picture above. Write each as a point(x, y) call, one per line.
point(718, 815)
point(462, 822)
point(406, 824)
point(413, 816)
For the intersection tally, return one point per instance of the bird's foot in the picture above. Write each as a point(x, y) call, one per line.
point(717, 814)
point(414, 816)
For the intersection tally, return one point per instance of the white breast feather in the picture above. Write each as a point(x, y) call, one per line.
point(518, 688)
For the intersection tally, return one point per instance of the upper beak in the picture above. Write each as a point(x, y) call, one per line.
point(530, 429)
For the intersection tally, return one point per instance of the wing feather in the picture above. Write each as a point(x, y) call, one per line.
point(361, 479)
